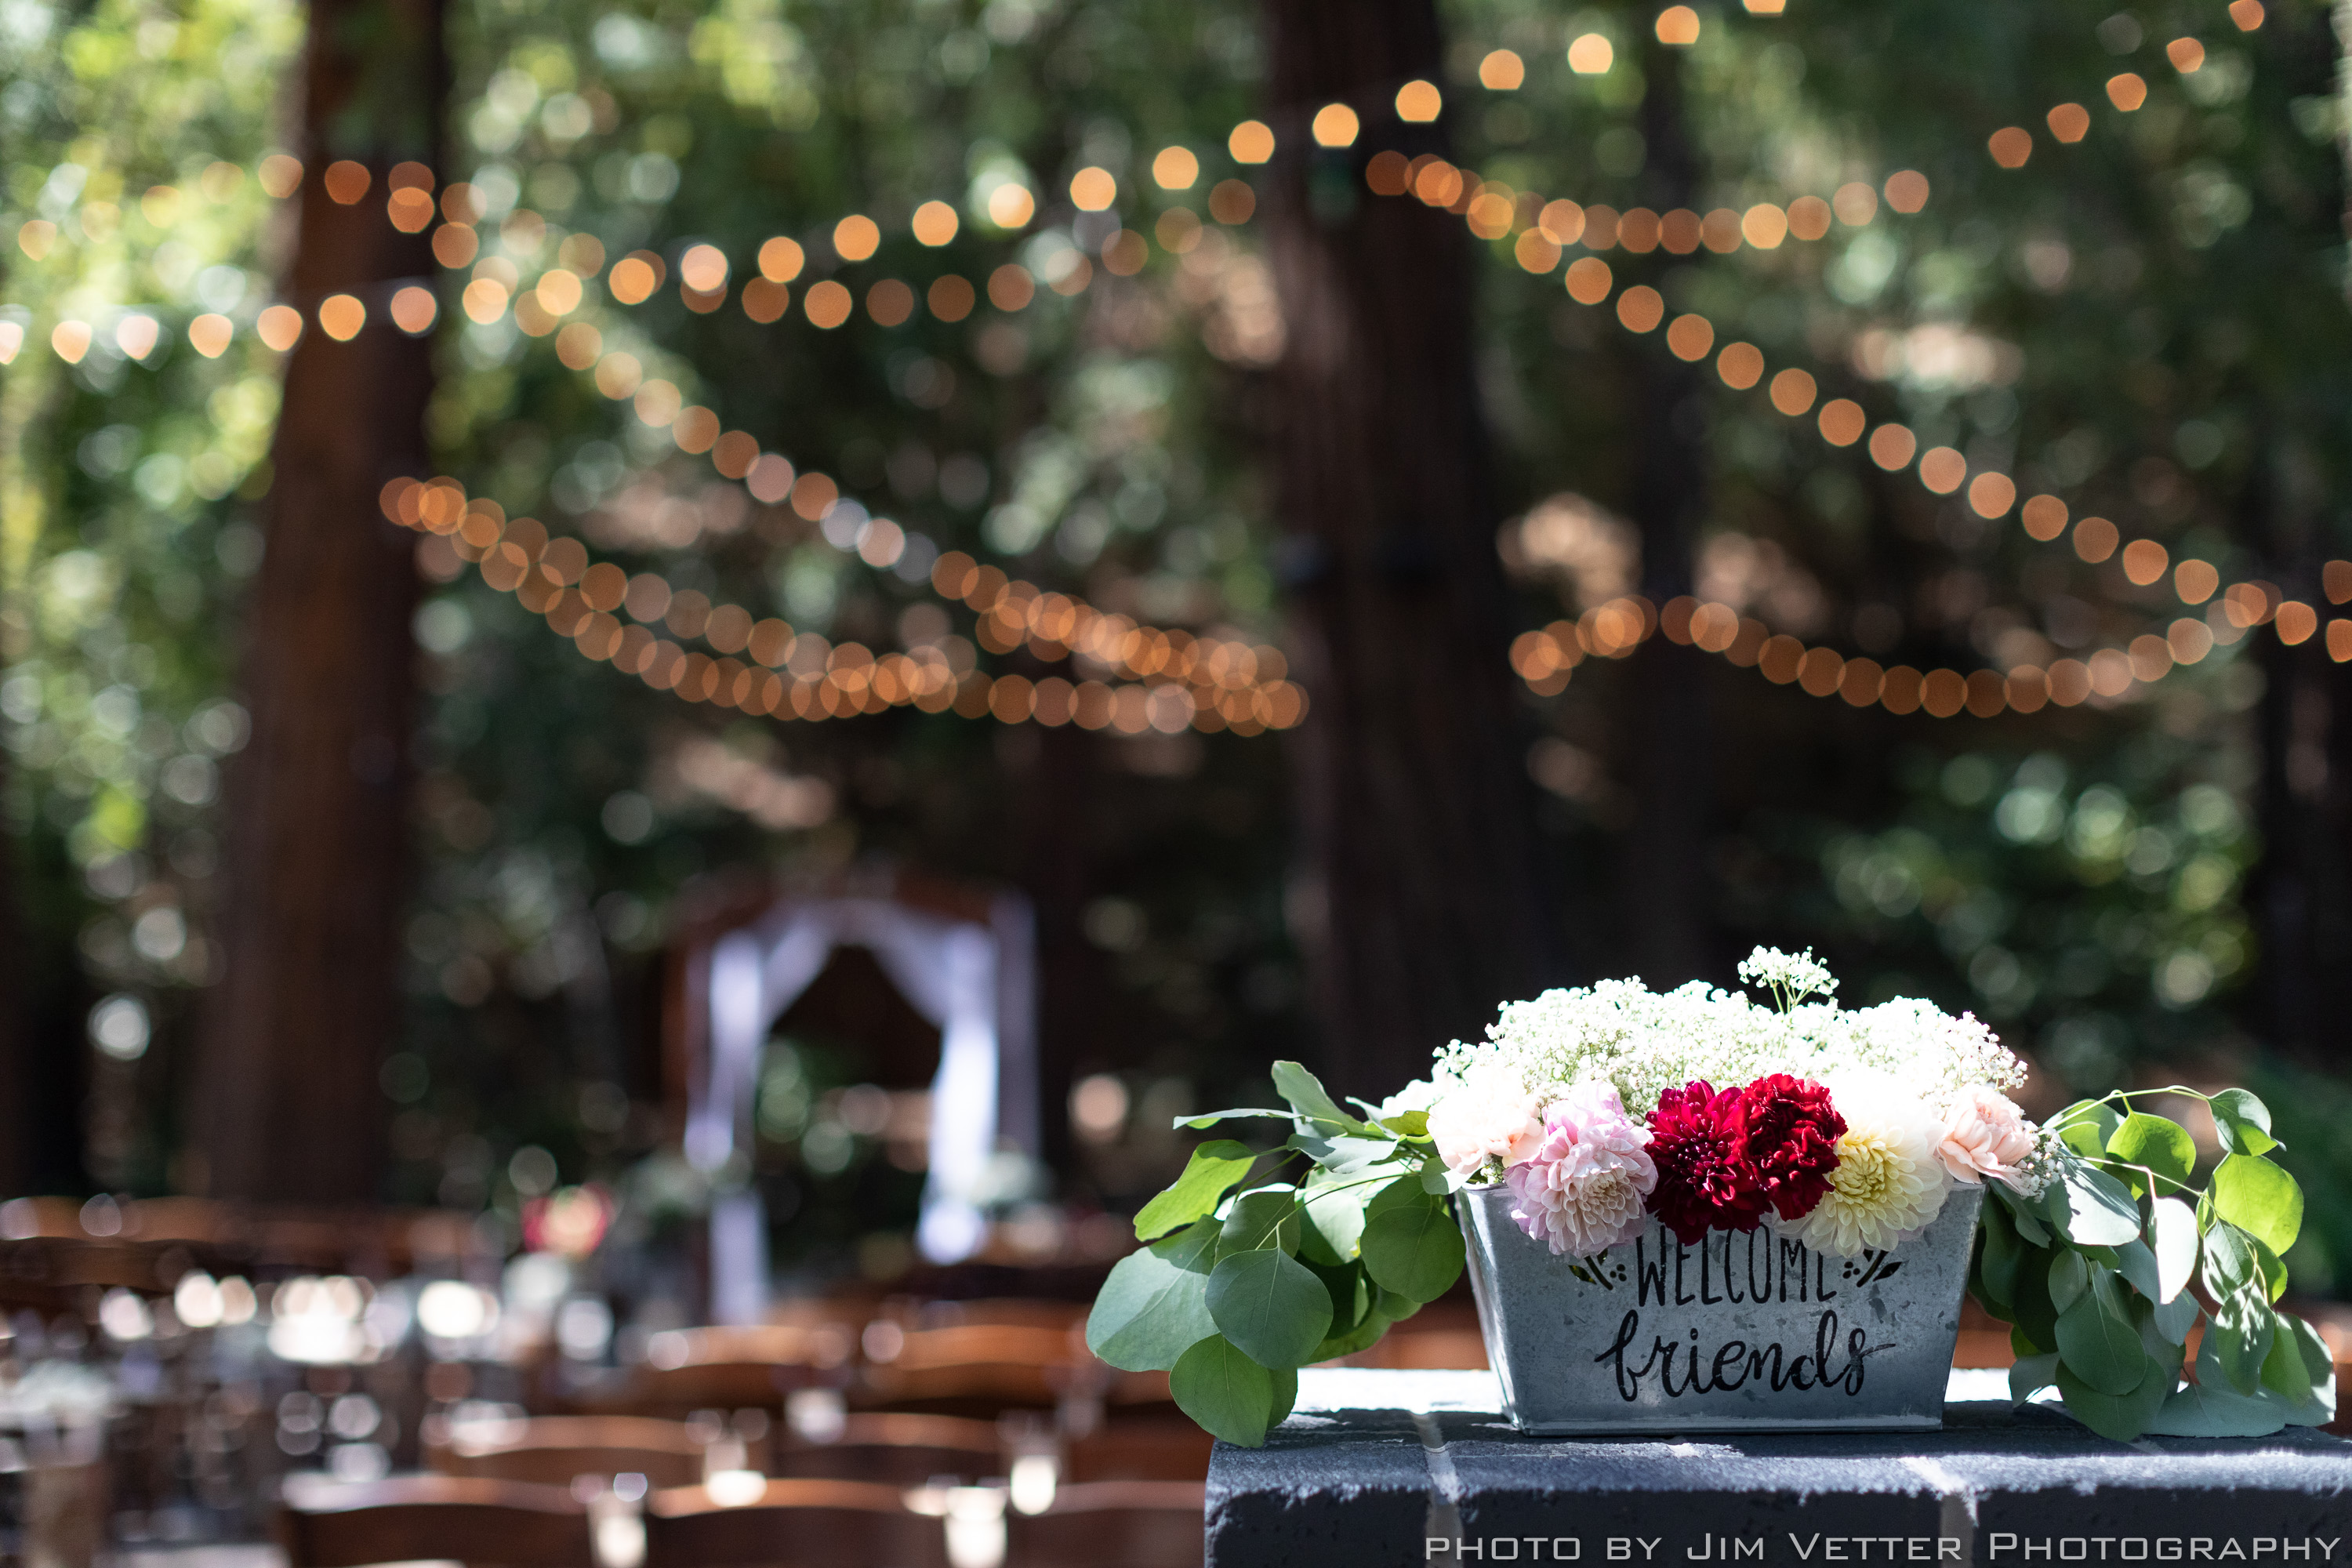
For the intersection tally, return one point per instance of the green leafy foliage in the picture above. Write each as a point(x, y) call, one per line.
point(1224, 1391)
point(2258, 1198)
point(1276, 1276)
point(1154, 1307)
point(2097, 1278)
point(1415, 1250)
point(1216, 1168)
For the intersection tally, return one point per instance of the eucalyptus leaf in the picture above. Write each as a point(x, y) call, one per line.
point(2030, 1375)
point(1266, 1218)
point(1999, 1260)
point(2243, 1122)
point(2070, 1277)
point(2193, 1410)
point(1210, 1117)
point(1364, 1336)
point(1344, 1154)
point(2229, 1263)
point(2098, 1341)
point(1407, 1124)
point(2260, 1198)
point(1352, 1295)
point(1308, 1096)
point(2037, 1314)
point(2121, 1417)
point(1332, 1225)
point(1223, 1391)
point(1414, 1250)
point(2273, 1269)
point(2090, 1207)
point(1271, 1306)
point(1216, 1168)
point(2086, 1125)
point(2282, 1372)
point(2174, 1318)
point(2173, 1231)
point(1405, 1192)
point(2028, 1224)
point(1285, 1382)
point(2135, 1261)
point(2317, 1405)
point(1153, 1308)
point(2240, 1339)
point(2164, 1147)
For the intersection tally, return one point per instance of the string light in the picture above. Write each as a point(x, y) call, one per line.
point(1178, 681)
point(1492, 212)
point(1546, 660)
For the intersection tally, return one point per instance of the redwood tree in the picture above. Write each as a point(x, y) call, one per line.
point(1420, 903)
point(295, 1032)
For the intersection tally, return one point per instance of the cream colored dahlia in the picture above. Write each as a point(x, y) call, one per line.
point(1889, 1183)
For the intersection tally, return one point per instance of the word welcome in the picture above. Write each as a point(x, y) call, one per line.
point(1772, 1266)
point(1736, 1364)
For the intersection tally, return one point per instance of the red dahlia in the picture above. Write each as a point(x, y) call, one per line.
point(1793, 1133)
point(1706, 1179)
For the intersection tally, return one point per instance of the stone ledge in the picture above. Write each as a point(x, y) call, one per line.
point(1372, 1466)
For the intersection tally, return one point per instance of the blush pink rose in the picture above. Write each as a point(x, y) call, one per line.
point(1487, 1114)
point(1985, 1134)
point(1587, 1185)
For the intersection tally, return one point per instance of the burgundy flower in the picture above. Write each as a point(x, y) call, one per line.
point(1707, 1180)
point(1793, 1133)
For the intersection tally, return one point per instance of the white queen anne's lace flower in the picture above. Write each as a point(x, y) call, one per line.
point(1889, 1185)
point(1584, 1188)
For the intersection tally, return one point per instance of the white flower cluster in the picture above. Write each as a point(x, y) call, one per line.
point(1646, 1042)
point(1562, 1098)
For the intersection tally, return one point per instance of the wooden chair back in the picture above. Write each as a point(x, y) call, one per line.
point(551, 1450)
point(980, 1367)
point(330, 1524)
point(735, 1368)
point(1140, 1449)
point(896, 1448)
point(792, 1523)
point(1132, 1524)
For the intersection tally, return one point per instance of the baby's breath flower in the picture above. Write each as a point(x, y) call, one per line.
point(1791, 977)
point(1646, 1042)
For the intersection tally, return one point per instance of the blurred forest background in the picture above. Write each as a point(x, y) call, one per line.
point(2150, 318)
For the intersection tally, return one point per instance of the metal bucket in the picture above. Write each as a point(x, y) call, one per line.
point(1752, 1332)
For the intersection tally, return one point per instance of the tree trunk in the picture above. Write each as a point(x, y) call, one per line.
point(318, 831)
point(1666, 872)
point(1419, 902)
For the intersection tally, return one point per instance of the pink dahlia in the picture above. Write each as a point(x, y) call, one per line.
point(1707, 1180)
point(1583, 1188)
point(1793, 1133)
point(1985, 1134)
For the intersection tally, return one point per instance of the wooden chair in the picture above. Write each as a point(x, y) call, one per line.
point(552, 1449)
point(1140, 1449)
point(332, 1524)
point(897, 1449)
point(734, 1368)
point(978, 1370)
point(1112, 1524)
point(792, 1522)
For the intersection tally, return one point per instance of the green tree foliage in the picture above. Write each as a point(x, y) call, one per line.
point(2148, 320)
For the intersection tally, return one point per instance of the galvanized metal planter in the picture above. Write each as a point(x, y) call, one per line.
point(1747, 1333)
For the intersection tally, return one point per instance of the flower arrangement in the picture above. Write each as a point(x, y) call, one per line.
point(1606, 1109)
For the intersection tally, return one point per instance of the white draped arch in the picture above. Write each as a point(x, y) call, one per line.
point(972, 979)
